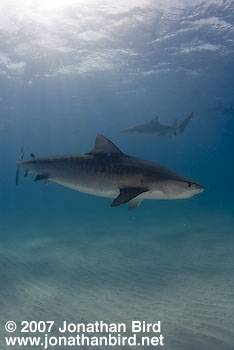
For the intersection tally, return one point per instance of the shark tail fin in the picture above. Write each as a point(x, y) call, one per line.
point(185, 122)
point(17, 170)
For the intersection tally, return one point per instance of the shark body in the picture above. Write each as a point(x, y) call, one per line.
point(221, 109)
point(107, 172)
point(155, 127)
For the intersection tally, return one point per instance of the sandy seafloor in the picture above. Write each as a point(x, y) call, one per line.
point(179, 274)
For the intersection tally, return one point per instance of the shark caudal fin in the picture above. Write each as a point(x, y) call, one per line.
point(185, 122)
point(17, 170)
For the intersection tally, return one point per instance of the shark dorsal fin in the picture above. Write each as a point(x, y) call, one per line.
point(104, 145)
point(155, 120)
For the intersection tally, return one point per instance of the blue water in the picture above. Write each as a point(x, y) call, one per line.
point(75, 69)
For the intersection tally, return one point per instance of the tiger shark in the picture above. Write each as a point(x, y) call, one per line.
point(107, 172)
point(154, 126)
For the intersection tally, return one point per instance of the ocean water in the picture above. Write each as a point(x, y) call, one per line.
point(70, 70)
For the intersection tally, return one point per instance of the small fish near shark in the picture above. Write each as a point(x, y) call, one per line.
point(155, 127)
point(108, 172)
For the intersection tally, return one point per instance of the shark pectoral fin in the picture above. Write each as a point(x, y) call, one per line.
point(41, 177)
point(134, 203)
point(126, 194)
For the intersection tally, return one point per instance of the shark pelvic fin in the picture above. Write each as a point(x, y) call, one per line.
point(126, 194)
point(41, 177)
point(104, 145)
point(33, 155)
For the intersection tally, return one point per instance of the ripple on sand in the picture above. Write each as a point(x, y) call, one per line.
point(183, 278)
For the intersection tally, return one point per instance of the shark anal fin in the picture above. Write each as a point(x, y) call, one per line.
point(134, 203)
point(126, 194)
point(41, 177)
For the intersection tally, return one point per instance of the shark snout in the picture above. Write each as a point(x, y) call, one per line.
point(202, 188)
point(197, 187)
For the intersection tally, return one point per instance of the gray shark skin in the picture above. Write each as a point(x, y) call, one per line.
point(107, 172)
point(155, 127)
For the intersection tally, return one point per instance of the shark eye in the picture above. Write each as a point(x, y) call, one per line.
point(189, 185)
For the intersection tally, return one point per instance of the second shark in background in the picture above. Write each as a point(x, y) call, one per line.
point(155, 127)
point(221, 109)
